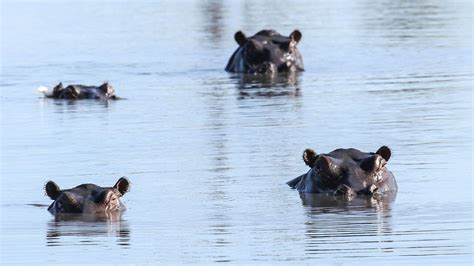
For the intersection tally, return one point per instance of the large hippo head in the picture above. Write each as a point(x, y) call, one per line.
point(87, 198)
point(347, 172)
point(266, 52)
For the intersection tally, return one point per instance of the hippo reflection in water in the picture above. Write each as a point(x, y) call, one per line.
point(87, 198)
point(346, 172)
point(79, 92)
point(267, 52)
point(267, 86)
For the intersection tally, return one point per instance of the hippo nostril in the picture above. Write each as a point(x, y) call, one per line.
point(285, 46)
point(372, 189)
point(344, 190)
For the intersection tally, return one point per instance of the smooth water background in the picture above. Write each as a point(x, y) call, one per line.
point(208, 155)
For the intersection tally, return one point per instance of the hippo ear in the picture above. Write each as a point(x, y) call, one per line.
point(52, 190)
point(385, 152)
point(122, 185)
point(296, 36)
point(59, 86)
point(309, 157)
point(105, 88)
point(240, 38)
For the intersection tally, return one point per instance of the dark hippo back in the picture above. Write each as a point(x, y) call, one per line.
point(267, 52)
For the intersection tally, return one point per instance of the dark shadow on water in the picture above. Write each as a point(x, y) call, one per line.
point(266, 86)
point(38, 205)
point(360, 227)
point(82, 229)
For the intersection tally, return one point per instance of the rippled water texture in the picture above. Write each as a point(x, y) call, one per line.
point(208, 153)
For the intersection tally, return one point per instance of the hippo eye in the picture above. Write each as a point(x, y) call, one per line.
point(285, 46)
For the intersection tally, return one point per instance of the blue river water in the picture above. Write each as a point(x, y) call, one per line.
point(208, 153)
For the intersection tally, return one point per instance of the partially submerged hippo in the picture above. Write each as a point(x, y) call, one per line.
point(87, 198)
point(346, 172)
point(267, 52)
point(77, 92)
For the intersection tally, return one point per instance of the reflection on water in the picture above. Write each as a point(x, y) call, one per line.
point(379, 202)
point(86, 229)
point(76, 106)
point(403, 21)
point(256, 85)
point(348, 228)
point(212, 12)
point(218, 228)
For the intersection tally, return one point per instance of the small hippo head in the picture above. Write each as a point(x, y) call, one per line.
point(57, 90)
point(87, 198)
point(107, 91)
point(76, 92)
point(266, 52)
point(347, 172)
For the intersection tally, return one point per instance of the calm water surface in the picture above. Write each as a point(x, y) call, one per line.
point(208, 153)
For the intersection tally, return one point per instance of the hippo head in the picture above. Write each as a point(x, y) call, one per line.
point(267, 52)
point(57, 90)
point(74, 92)
point(107, 91)
point(347, 172)
point(87, 198)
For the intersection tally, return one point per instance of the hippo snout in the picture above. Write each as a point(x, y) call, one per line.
point(264, 68)
point(345, 190)
point(369, 190)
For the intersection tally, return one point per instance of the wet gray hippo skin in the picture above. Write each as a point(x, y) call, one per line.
point(267, 52)
point(347, 172)
point(87, 198)
point(79, 92)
